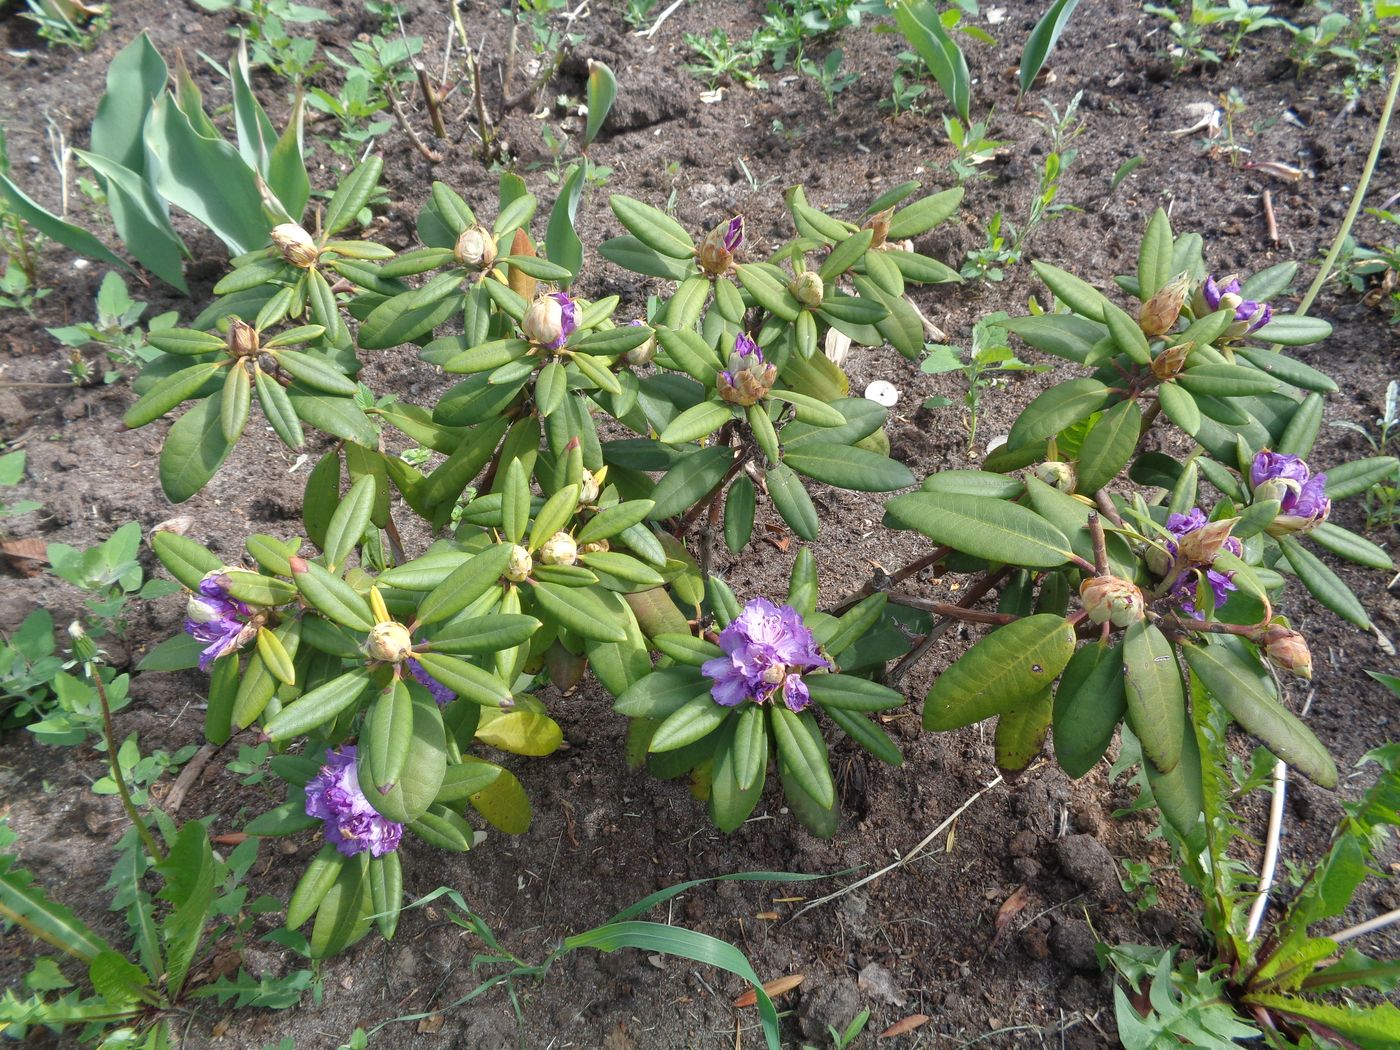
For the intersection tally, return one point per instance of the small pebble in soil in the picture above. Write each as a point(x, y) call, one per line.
point(1073, 944)
point(828, 1004)
point(1034, 943)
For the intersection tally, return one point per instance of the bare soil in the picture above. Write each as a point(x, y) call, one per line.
point(918, 940)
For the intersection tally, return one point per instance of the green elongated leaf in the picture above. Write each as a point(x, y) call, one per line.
point(790, 498)
point(466, 680)
point(185, 342)
point(686, 648)
point(696, 422)
point(1108, 446)
point(1089, 704)
point(424, 765)
point(846, 254)
point(247, 695)
point(1005, 668)
point(348, 523)
point(622, 567)
point(697, 718)
point(919, 22)
point(335, 599)
point(1064, 335)
point(810, 409)
point(686, 305)
point(140, 220)
point(686, 944)
point(1351, 479)
point(1292, 330)
point(277, 407)
point(315, 882)
point(340, 417)
point(385, 877)
point(342, 918)
point(1180, 407)
point(1368, 1027)
point(1222, 380)
point(974, 483)
point(1126, 333)
point(522, 732)
point(902, 327)
point(1324, 584)
point(440, 827)
point(602, 91)
point(317, 373)
point(1349, 545)
point(478, 635)
point(994, 529)
point(553, 516)
point(275, 656)
point(1057, 408)
point(561, 241)
point(1286, 369)
point(1303, 425)
point(388, 731)
point(409, 315)
point(662, 693)
point(1179, 794)
point(1020, 732)
point(194, 450)
point(800, 747)
point(1154, 264)
point(765, 436)
point(1080, 296)
point(924, 214)
point(188, 870)
point(848, 467)
point(135, 77)
point(920, 269)
point(204, 176)
point(188, 561)
point(655, 229)
point(597, 372)
point(1039, 44)
point(504, 804)
point(321, 496)
point(633, 254)
point(690, 353)
point(688, 482)
point(749, 751)
point(579, 610)
point(319, 706)
point(1231, 670)
point(515, 214)
point(551, 387)
point(1156, 702)
point(170, 392)
point(467, 778)
point(56, 229)
point(613, 520)
point(55, 923)
point(740, 503)
point(802, 585)
point(850, 693)
point(768, 292)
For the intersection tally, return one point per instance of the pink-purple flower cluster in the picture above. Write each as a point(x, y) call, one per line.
point(767, 650)
point(352, 824)
point(1248, 312)
point(1184, 588)
point(216, 619)
point(1302, 495)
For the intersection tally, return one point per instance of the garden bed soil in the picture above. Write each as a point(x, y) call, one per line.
point(920, 939)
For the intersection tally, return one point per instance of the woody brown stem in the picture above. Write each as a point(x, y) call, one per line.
point(1100, 547)
point(430, 100)
point(950, 610)
point(884, 580)
point(974, 593)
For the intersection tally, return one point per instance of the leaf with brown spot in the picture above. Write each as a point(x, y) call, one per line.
point(905, 1026)
point(776, 987)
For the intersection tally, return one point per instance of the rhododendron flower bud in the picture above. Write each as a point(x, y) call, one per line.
point(559, 549)
point(217, 619)
point(588, 488)
point(1169, 363)
point(390, 642)
point(595, 547)
point(1185, 587)
point(353, 825)
point(767, 649)
point(1250, 314)
point(1200, 546)
point(476, 248)
point(749, 377)
point(519, 567)
point(642, 355)
point(1302, 495)
point(880, 224)
point(716, 253)
point(296, 245)
point(1057, 474)
point(807, 289)
point(550, 320)
point(1160, 312)
point(242, 339)
point(1286, 649)
point(1111, 599)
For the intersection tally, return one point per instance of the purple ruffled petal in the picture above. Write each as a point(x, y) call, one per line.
point(353, 825)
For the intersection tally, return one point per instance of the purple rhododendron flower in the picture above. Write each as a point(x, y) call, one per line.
point(1183, 590)
point(1247, 311)
point(568, 318)
point(441, 693)
point(1302, 495)
point(767, 649)
point(215, 619)
point(734, 235)
point(744, 347)
point(352, 824)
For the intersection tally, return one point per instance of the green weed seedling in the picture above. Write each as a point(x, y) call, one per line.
point(984, 366)
point(68, 23)
point(117, 332)
point(1383, 497)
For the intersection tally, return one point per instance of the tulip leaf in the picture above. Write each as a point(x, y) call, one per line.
point(561, 240)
